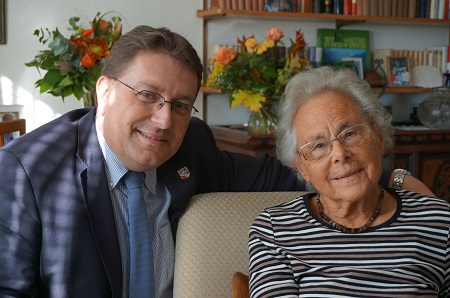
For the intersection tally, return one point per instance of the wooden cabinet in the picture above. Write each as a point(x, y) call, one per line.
point(425, 153)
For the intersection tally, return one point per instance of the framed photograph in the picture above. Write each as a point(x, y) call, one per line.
point(357, 65)
point(2, 22)
point(399, 71)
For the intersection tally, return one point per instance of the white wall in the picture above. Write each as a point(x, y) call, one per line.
point(24, 16)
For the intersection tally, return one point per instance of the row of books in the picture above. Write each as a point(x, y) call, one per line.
point(434, 9)
point(438, 57)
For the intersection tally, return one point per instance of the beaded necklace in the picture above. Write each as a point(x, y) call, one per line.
point(344, 229)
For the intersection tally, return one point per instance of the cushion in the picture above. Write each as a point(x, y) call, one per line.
point(239, 285)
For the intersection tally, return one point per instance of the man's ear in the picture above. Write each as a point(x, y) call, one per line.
point(102, 87)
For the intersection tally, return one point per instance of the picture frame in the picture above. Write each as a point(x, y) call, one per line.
point(399, 71)
point(2, 22)
point(357, 65)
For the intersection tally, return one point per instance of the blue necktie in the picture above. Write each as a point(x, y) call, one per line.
point(141, 283)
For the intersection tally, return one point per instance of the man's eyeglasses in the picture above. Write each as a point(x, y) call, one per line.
point(157, 101)
point(351, 136)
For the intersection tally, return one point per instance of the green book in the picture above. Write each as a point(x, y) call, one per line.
point(338, 45)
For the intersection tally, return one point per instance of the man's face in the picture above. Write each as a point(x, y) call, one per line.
point(142, 136)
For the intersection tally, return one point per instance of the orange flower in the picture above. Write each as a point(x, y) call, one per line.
point(88, 60)
point(88, 33)
point(225, 55)
point(103, 25)
point(93, 50)
point(275, 34)
point(300, 42)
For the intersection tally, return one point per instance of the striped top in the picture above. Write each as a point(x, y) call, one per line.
point(294, 254)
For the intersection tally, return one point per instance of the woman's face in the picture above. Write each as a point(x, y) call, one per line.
point(347, 172)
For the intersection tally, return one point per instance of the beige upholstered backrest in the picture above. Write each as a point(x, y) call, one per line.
point(212, 240)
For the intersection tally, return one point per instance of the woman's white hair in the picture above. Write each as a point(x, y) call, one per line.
point(318, 80)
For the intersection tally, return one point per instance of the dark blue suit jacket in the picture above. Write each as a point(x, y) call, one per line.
point(57, 229)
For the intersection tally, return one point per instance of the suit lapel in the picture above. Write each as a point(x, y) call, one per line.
point(181, 188)
point(92, 175)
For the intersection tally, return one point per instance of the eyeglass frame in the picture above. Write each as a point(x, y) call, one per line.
point(161, 105)
point(300, 151)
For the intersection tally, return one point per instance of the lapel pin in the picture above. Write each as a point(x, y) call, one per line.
point(184, 173)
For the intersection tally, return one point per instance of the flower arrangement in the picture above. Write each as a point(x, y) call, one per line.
point(256, 73)
point(74, 64)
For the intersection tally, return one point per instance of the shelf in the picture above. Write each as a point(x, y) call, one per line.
point(341, 19)
point(210, 90)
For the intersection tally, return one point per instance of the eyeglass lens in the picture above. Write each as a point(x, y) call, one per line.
point(157, 101)
point(351, 136)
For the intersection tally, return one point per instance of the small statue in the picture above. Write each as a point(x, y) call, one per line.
point(328, 6)
point(279, 5)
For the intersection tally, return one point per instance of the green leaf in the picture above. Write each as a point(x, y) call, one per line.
point(52, 77)
point(44, 87)
point(67, 81)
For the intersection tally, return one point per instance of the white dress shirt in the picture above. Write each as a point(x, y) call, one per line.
point(157, 199)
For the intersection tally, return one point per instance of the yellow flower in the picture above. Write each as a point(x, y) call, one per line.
point(261, 49)
point(217, 69)
point(268, 43)
point(249, 99)
point(251, 44)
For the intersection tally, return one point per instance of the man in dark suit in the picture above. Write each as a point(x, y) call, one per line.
point(63, 216)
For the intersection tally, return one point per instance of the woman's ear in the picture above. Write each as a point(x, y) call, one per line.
point(301, 167)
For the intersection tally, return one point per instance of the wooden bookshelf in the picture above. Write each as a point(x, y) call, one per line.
point(210, 90)
point(339, 18)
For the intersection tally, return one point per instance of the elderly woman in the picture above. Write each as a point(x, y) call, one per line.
point(349, 237)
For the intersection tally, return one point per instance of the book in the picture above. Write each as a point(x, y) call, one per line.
point(411, 8)
point(423, 8)
point(387, 11)
point(347, 7)
point(317, 6)
point(446, 9)
point(339, 43)
point(307, 7)
point(437, 56)
point(373, 7)
point(401, 8)
point(338, 7)
point(365, 7)
point(380, 8)
point(433, 9)
point(359, 7)
point(440, 9)
point(354, 8)
point(394, 8)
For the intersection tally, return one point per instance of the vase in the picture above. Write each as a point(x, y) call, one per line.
point(434, 111)
point(90, 99)
point(261, 122)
